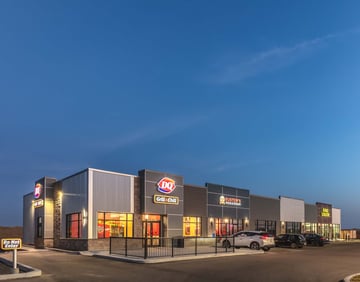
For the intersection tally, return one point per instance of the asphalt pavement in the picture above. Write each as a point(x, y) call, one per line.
point(7, 271)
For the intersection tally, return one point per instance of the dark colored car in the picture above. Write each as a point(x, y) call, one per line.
point(290, 240)
point(313, 239)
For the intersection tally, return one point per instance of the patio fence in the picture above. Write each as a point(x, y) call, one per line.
point(165, 247)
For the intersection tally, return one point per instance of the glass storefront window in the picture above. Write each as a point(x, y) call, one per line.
point(191, 226)
point(73, 225)
point(292, 227)
point(310, 227)
point(225, 226)
point(39, 227)
point(114, 224)
point(336, 231)
point(266, 225)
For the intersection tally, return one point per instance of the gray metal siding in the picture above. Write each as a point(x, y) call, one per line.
point(28, 219)
point(112, 192)
point(215, 209)
point(263, 208)
point(310, 213)
point(150, 180)
point(74, 199)
point(195, 201)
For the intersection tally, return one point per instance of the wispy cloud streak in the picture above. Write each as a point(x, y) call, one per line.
point(272, 59)
point(150, 132)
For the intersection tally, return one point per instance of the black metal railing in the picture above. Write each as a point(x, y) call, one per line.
point(166, 247)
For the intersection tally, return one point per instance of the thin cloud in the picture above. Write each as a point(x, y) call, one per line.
point(273, 59)
point(150, 132)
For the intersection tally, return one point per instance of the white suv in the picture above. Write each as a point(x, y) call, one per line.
point(255, 240)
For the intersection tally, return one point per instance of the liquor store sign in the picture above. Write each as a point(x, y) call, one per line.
point(10, 244)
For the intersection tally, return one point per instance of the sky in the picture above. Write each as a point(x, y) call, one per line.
point(259, 95)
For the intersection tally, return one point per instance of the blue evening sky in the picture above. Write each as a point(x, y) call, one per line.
point(262, 95)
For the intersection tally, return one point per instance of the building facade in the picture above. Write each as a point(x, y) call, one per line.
point(82, 211)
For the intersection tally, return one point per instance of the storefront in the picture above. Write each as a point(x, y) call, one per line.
point(265, 214)
point(228, 209)
point(82, 211)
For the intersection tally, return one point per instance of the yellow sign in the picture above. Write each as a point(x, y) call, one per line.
point(166, 200)
point(10, 244)
point(325, 212)
point(38, 203)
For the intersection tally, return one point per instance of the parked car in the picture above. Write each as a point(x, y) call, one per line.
point(255, 240)
point(290, 240)
point(313, 239)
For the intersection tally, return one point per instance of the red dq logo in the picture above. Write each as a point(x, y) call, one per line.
point(166, 185)
point(37, 191)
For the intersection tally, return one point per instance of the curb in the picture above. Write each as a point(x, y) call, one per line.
point(348, 278)
point(27, 271)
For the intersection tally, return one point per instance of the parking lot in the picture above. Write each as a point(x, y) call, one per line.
point(332, 262)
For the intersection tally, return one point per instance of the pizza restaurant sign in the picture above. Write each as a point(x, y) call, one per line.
point(166, 185)
point(10, 244)
point(229, 201)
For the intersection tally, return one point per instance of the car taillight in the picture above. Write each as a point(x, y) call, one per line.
point(263, 237)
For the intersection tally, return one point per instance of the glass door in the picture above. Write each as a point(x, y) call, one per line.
point(152, 230)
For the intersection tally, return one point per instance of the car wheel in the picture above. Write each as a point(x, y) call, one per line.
point(293, 245)
point(266, 249)
point(254, 246)
point(226, 244)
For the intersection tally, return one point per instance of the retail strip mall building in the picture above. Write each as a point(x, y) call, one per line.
point(82, 211)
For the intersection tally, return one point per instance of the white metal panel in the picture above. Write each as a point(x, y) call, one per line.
point(336, 216)
point(91, 216)
point(292, 210)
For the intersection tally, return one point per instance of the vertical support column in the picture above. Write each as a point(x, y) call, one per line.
point(15, 269)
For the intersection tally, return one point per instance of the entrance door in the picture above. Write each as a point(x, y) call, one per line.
point(152, 232)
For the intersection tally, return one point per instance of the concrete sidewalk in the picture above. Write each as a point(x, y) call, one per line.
point(105, 254)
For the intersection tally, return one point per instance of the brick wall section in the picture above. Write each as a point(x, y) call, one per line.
point(57, 216)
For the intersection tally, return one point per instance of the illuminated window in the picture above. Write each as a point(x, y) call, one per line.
point(73, 225)
point(114, 224)
point(226, 226)
point(191, 226)
point(310, 227)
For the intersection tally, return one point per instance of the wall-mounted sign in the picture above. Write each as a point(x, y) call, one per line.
point(166, 185)
point(37, 191)
point(325, 212)
point(10, 244)
point(166, 200)
point(229, 201)
point(38, 203)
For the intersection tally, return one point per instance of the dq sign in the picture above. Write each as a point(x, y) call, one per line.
point(166, 185)
point(37, 191)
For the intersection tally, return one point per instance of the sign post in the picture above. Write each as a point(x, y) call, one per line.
point(12, 244)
